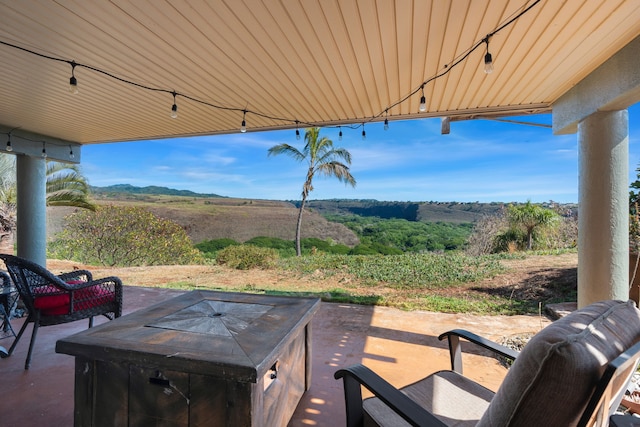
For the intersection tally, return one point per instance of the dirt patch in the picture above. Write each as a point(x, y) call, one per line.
point(545, 278)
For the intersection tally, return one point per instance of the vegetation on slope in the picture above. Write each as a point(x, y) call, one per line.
point(407, 236)
point(444, 280)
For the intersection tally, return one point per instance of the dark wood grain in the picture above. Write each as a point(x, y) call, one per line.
point(112, 380)
point(203, 358)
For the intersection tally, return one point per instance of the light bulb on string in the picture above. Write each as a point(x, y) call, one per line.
point(71, 155)
point(9, 147)
point(364, 134)
point(174, 107)
point(423, 101)
point(488, 68)
point(73, 82)
point(340, 133)
point(488, 60)
point(297, 131)
point(44, 151)
point(386, 120)
point(243, 126)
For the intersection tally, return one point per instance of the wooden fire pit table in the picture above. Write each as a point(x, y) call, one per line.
point(202, 358)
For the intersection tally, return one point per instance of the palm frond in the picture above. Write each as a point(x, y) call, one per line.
point(288, 150)
point(338, 170)
point(7, 175)
point(69, 198)
point(66, 186)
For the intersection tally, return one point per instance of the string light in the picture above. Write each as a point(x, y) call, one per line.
point(488, 60)
point(364, 134)
point(423, 101)
point(243, 126)
point(464, 56)
point(73, 82)
point(340, 133)
point(297, 130)
point(174, 107)
point(43, 153)
point(386, 120)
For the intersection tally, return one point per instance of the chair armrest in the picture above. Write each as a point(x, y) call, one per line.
point(359, 375)
point(110, 284)
point(115, 281)
point(455, 351)
point(5, 279)
point(76, 275)
point(619, 420)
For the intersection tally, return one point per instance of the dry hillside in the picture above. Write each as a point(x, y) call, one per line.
point(213, 218)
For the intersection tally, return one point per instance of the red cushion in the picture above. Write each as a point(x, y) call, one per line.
point(59, 302)
point(52, 304)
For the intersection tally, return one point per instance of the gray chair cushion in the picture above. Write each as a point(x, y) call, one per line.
point(454, 399)
point(555, 374)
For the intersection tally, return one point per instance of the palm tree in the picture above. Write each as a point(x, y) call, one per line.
point(530, 217)
point(323, 159)
point(65, 186)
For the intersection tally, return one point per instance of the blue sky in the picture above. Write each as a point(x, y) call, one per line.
point(480, 160)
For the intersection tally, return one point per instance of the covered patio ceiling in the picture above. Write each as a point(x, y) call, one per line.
point(290, 63)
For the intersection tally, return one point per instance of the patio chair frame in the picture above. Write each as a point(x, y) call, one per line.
point(86, 297)
point(608, 390)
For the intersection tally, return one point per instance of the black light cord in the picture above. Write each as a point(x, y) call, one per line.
point(297, 122)
point(460, 59)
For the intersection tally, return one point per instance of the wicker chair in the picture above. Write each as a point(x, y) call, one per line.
point(572, 373)
point(8, 297)
point(52, 300)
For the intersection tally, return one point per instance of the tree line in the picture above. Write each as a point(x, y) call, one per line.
point(110, 235)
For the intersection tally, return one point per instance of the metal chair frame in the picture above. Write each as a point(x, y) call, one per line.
point(87, 297)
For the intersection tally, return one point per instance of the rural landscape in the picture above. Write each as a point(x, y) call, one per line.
point(413, 256)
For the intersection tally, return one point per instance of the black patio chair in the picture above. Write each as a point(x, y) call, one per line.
point(572, 373)
point(8, 298)
point(52, 300)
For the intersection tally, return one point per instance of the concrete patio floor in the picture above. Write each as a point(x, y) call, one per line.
point(400, 346)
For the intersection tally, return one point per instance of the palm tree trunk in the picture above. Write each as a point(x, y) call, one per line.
point(299, 225)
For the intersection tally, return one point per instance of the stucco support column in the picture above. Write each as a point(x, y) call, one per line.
point(31, 209)
point(603, 215)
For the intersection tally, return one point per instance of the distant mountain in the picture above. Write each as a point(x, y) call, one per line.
point(151, 189)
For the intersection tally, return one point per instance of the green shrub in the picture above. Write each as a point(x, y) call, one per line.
point(363, 249)
point(270, 242)
point(407, 236)
point(245, 257)
point(309, 243)
point(215, 245)
point(510, 240)
point(123, 236)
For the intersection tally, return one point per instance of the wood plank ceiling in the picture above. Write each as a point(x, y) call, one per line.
point(320, 63)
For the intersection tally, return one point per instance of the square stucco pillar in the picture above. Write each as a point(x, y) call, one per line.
point(603, 216)
point(31, 224)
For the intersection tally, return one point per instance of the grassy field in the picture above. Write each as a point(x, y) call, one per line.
point(518, 284)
